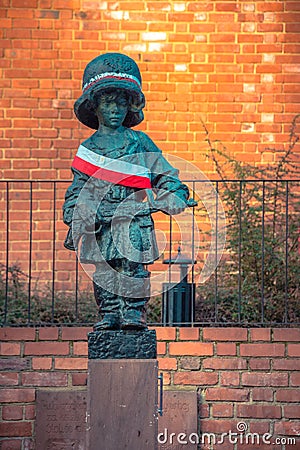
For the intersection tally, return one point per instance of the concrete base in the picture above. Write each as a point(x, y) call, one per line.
point(122, 344)
point(122, 404)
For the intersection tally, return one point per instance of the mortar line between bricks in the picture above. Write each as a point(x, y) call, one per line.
point(69, 383)
point(201, 334)
point(248, 364)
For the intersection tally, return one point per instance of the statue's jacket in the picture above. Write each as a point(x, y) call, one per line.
point(120, 188)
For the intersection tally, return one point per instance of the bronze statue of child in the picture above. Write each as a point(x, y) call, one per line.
point(120, 178)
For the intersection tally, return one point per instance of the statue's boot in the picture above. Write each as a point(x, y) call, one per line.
point(137, 295)
point(110, 321)
point(134, 314)
point(122, 295)
point(110, 307)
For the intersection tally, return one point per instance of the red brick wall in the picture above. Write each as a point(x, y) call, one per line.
point(241, 375)
point(232, 64)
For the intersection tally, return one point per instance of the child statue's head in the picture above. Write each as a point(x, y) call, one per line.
point(111, 106)
point(112, 74)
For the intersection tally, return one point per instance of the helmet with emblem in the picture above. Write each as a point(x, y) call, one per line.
point(111, 71)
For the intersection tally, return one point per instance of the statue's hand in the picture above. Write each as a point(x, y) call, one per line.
point(191, 203)
point(174, 207)
point(169, 207)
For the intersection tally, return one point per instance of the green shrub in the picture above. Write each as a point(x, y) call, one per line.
point(259, 275)
point(43, 307)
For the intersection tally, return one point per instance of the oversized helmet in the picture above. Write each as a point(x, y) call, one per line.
point(111, 70)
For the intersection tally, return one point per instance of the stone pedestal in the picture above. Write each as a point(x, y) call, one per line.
point(122, 344)
point(122, 404)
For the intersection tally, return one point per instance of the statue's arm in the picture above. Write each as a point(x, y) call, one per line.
point(72, 194)
point(172, 196)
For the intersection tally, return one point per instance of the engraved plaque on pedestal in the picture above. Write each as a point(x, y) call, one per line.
point(178, 426)
point(61, 420)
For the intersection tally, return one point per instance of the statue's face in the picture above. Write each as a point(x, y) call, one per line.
point(112, 111)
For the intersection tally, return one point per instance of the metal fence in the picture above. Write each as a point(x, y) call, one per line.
point(252, 279)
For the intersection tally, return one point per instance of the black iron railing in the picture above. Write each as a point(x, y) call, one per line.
point(253, 279)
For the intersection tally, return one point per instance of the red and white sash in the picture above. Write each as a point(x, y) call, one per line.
point(115, 171)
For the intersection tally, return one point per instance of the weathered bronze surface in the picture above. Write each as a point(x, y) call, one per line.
point(61, 420)
point(120, 179)
point(122, 344)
